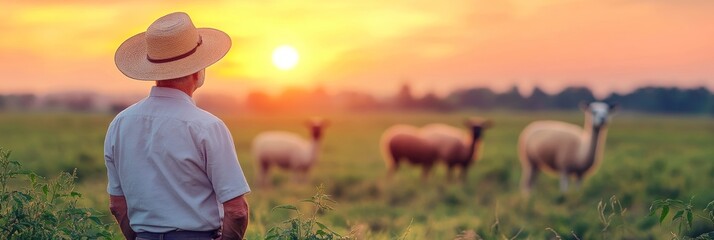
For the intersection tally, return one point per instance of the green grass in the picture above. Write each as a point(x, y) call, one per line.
point(647, 157)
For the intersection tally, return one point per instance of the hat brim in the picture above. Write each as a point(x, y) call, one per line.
point(131, 57)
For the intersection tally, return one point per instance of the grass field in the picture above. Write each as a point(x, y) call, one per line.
point(647, 157)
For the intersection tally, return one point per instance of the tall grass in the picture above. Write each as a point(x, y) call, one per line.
point(647, 157)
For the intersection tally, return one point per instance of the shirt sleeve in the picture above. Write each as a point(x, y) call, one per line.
point(222, 166)
point(113, 185)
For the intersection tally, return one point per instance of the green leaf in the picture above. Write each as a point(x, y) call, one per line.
point(710, 205)
point(76, 194)
point(309, 200)
point(689, 218)
point(677, 215)
point(665, 211)
point(710, 210)
point(45, 189)
point(322, 226)
point(33, 178)
point(26, 196)
point(289, 207)
point(95, 219)
point(653, 208)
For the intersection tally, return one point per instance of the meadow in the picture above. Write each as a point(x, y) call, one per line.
point(647, 157)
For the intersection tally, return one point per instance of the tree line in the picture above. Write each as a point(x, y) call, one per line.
point(646, 99)
point(670, 100)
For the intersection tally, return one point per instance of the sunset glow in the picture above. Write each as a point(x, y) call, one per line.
point(375, 45)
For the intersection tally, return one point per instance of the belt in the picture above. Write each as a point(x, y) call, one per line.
point(178, 235)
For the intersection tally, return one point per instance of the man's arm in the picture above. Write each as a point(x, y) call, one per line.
point(235, 219)
point(117, 205)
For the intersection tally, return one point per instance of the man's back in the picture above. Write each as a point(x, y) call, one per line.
point(174, 162)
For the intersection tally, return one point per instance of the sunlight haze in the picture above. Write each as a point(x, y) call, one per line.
point(375, 46)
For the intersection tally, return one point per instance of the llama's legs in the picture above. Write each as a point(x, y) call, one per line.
point(392, 169)
point(450, 172)
point(528, 178)
point(464, 172)
point(425, 172)
point(263, 176)
point(563, 181)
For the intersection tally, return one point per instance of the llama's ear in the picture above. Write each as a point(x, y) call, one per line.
point(584, 106)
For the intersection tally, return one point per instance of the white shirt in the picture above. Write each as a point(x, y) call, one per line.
point(174, 163)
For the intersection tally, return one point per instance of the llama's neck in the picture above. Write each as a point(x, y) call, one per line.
point(594, 143)
point(472, 148)
point(314, 150)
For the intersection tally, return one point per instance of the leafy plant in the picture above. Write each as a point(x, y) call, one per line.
point(306, 226)
point(44, 209)
point(684, 216)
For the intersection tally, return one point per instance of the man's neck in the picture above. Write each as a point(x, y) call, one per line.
point(184, 88)
point(188, 91)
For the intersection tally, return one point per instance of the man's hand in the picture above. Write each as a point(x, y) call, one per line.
point(117, 205)
point(235, 219)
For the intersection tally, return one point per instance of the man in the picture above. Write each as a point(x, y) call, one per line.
point(172, 167)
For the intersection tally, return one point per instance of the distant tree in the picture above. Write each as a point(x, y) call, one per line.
point(80, 102)
point(52, 103)
point(258, 101)
point(481, 98)
point(117, 107)
point(3, 102)
point(432, 102)
point(538, 100)
point(319, 99)
point(218, 103)
point(354, 100)
point(666, 100)
point(571, 97)
point(511, 99)
point(693, 100)
point(404, 98)
point(22, 102)
point(292, 97)
point(642, 99)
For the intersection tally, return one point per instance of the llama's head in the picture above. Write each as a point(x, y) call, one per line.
point(477, 126)
point(317, 127)
point(599, 113)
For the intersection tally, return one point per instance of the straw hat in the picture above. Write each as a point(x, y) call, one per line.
point(171, 47)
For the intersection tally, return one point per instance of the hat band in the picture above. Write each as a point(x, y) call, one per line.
point(171, 59)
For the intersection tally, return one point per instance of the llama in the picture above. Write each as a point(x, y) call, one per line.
point(288, 151)
point(404, 143)
point(564, 148)
point(457, 148)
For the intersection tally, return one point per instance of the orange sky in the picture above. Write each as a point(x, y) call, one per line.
point(608, 45)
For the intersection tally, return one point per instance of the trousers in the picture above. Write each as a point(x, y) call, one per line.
point(178, 235)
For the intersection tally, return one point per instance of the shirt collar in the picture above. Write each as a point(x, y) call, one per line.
point(170, 93)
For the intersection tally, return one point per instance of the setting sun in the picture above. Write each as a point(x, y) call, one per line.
point(285, 57)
